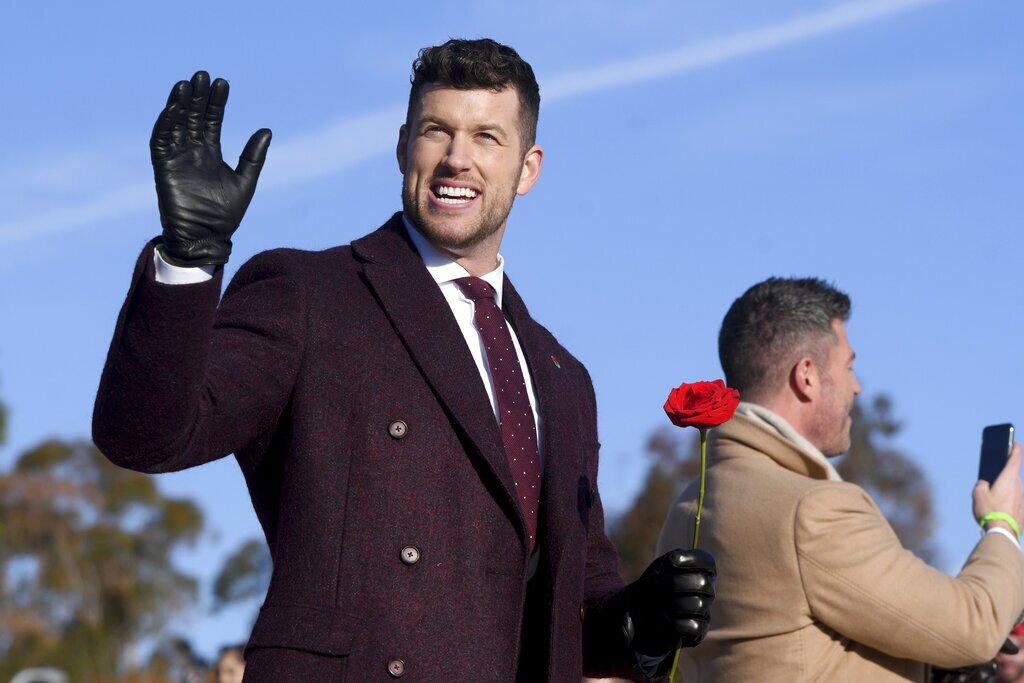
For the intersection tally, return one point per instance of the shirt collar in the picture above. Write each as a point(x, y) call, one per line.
point(773, 422)
point(444, 270)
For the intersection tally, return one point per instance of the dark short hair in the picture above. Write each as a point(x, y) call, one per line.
point(478, 64)
point(772, 325)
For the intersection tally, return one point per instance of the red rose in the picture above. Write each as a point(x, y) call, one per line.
point(702, 404)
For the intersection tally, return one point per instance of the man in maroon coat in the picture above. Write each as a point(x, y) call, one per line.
point(365, 409)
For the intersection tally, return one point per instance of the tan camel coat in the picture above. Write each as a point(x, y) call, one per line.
point(813, 584)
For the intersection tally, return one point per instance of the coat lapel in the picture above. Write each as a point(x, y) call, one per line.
point(766, 442)
point(421, 317)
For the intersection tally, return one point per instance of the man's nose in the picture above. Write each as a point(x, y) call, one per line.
point(458, 157)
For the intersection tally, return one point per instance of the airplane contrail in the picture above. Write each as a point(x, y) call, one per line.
point(352, 140)
point(727, 49)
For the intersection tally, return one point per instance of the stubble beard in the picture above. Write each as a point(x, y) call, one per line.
point(833, 424)
point(455, 239)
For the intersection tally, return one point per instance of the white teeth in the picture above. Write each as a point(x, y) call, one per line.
point(443, 191)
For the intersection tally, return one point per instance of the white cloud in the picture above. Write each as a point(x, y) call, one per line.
point(347, 142)
point(334, 148)
point(733, 47)
point(111, 205)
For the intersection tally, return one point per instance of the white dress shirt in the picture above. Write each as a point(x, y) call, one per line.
point(445, 272)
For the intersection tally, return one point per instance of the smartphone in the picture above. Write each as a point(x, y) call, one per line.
point(996, 442)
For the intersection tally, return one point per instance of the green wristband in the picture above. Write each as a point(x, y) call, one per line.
point(1004, 517)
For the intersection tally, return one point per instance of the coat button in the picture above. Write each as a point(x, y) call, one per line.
point(396, 667)
point(398, 429)
point(410, 555)
point(583, 614)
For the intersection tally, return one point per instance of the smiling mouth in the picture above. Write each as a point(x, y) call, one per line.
point(449, 195)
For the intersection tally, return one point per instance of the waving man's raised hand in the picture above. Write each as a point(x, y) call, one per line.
point(202, 199)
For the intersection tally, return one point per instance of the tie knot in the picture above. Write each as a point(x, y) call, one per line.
point(475, 288)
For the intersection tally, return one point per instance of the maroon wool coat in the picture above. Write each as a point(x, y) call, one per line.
point(304, 372)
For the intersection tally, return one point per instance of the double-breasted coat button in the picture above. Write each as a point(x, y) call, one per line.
point(583, 614)
point(396, 667)
point(398, 429)
point(410, 555)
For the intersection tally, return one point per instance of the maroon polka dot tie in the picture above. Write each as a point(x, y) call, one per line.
point(515, 415)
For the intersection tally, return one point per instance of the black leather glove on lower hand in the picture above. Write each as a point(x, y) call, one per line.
point(202, 200)
point(671, 602)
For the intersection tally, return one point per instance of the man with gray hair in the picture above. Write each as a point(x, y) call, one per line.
point(814, 584)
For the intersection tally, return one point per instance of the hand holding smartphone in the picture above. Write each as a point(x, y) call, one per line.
point(999, 494)
point(996, 443)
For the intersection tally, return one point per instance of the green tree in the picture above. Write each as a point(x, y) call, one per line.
point(3, 423)
point(897, 484)
point(675, 461)
point(245, 574)
point(85, 561)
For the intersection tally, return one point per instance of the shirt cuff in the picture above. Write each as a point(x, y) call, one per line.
point(169, 274)
point(1003, 532)
point(648, 665)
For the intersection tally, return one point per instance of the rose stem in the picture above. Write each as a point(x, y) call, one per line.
point(700, 497)
point(675, 665)
point(696, 528)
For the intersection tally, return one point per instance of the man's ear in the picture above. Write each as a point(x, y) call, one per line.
point(402, 148)
point(530, 171)
point(804, 379)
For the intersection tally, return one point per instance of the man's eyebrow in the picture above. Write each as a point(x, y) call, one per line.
point(432, 119)
point(496, 127)
point(492, 126)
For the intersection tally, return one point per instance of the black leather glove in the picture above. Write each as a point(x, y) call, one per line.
point(202, 200)
point(670, 602)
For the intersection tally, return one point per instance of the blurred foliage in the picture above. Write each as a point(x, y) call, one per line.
point(244, 575)
point(898, 486)
point(3, 423)
point(894, 481)
point(675, 455)
point(175, 660)
point(85, 562)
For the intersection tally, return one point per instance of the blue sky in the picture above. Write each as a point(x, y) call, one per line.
point(692, 149)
